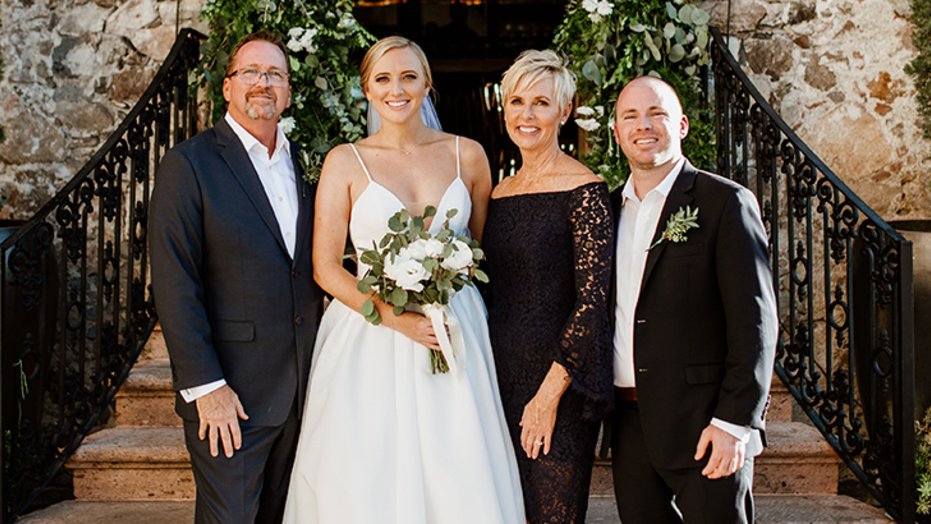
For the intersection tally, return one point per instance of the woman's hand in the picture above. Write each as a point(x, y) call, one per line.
point(539, 417)
point(414, 326)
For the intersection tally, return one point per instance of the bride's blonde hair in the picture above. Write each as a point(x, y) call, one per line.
point(381, 47)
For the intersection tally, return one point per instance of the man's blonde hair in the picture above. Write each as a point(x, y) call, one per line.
point(532, 66)
point(389, 43)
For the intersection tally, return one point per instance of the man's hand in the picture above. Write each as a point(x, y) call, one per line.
point(219, 412)
point(727, 452)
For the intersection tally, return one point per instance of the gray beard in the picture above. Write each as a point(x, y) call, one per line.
point(260, 112)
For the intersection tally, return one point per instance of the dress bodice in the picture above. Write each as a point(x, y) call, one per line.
point(368, 221)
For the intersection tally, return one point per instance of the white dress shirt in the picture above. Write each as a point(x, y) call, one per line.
point(638, 222)
point(276, 172)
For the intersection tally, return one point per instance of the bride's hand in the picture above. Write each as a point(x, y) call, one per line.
point(415, 327)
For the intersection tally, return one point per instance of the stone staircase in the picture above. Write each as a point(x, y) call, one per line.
point(138, 470)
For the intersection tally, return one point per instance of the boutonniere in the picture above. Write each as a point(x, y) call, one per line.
point(311, 166)
point(678, 225)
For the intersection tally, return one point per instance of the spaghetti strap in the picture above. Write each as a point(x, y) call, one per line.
point(365, 169)
point(458, 167)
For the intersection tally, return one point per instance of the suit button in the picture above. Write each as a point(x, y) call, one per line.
point(298, 320)
point(295, 273)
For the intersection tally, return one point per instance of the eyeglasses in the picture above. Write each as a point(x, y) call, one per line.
point(251, 76)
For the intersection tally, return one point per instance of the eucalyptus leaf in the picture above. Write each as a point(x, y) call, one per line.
point(481, 276)
point(671, 10)
point(676, 53)
point(321, 83)
point(364, 287)
point(669, 30)
point(368, 307)
point(701, 39)
point(638, 28)
point(430, 211)
point(685, 14)
point(654, 51)
point(700, 17)
point(398, 297)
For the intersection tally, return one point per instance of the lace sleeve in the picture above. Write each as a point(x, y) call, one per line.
point(585, 342)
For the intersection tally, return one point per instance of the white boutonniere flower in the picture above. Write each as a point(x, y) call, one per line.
point(678, 225)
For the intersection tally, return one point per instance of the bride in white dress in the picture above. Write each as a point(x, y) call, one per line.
point(383, 440)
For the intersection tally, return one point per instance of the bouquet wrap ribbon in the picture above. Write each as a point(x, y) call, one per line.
point(452, 343)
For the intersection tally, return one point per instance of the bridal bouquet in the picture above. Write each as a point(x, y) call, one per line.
point(412, 269)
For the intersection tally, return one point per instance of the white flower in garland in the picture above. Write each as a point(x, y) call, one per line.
point(585, 111)
point(286, 125)
point(302, 39)
point(588, 124)
point(597, 9)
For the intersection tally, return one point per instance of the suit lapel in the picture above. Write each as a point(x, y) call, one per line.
point(305, 204)
point(679, 197)
point(237, 159)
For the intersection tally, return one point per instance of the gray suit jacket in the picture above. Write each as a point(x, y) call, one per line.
point(231, 301)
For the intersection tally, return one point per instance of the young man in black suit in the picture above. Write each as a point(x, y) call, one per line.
point(230, 233)
point(695, 325)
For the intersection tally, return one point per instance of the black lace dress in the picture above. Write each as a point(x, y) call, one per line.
point(549, 259)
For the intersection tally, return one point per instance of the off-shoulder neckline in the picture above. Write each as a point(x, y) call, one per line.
point(554, 192)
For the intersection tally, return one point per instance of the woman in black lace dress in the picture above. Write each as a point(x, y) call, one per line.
point(548, 240)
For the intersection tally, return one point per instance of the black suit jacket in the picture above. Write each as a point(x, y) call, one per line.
point(705, 322)
point(231, 301)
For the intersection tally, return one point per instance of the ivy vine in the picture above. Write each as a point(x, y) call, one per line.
point(920, 67)
point(323, 39)
point(610, 43)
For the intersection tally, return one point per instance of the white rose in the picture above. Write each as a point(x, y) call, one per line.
point(460, 258)
point(588, 124)
point(433, 248)
point(590, 5)
point(416, 249)
point(594, 17)
point(584, 111)
point(406, 272)
point(286, 124)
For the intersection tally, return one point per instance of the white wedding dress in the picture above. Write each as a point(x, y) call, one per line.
point(385, 441)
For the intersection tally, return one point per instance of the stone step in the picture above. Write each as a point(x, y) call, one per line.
point(770, 509)
point(155, 348)
point(798, 460)
point(780, 403)
point(775, 509)
point(133, 464)
point(147, 398)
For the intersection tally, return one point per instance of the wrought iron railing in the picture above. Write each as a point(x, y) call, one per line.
point(844, 283)
point(76, 306)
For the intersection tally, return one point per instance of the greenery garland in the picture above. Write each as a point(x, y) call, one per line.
point(609, 43)
point(323, 38)
point(920, 67)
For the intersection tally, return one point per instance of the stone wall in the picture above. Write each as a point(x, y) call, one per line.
point(833, 69)
point(73, 69)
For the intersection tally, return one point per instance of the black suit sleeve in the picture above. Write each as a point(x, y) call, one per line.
point(745, 284)
point(176, 239)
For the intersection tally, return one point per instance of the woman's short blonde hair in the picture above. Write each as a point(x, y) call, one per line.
point(389, 43)
point(533, 65)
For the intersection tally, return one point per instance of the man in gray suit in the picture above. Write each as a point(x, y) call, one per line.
point(230, 234)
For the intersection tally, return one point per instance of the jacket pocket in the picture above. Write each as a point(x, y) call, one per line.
point(233, 330)
point(684, 249)
point(704, 374)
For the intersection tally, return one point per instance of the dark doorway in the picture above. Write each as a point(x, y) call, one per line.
point(470, 43)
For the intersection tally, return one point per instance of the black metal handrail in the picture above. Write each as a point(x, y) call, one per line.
point(843, 278)
point(75, 304)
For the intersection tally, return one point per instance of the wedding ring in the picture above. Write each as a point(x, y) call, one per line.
point(538, 443)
